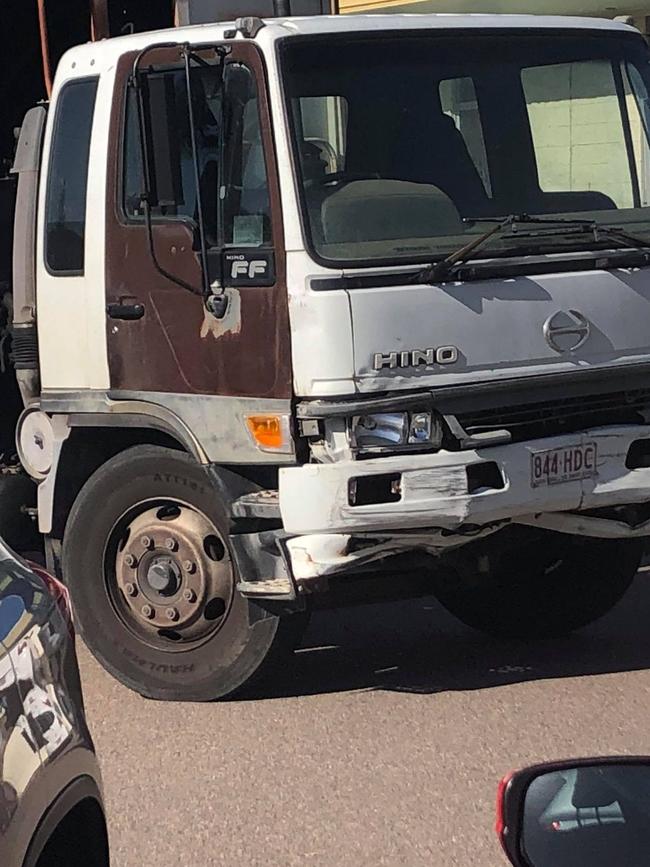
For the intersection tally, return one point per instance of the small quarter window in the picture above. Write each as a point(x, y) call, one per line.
point(65, 210)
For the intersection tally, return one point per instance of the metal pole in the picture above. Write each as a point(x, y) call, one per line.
point(45, 47)
point(100, 23)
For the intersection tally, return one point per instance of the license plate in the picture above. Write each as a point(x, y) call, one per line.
point(566, 464)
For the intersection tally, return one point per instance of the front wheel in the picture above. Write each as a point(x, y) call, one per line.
point(523, 583)
point(147, 560)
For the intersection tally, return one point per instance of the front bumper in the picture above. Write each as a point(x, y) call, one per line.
point(314, 498)
point(436, 507)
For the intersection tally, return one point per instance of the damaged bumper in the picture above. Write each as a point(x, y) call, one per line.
point(436, 501)
point(445, 499)
point(445, 489)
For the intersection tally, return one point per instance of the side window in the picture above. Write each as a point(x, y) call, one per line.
point(233, 184)
point(324, 122)
point(458, 101)
point(577, 130)
point(170, 145)
point(65, 208)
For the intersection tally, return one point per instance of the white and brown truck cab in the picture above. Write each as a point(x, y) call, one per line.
point(321, 309)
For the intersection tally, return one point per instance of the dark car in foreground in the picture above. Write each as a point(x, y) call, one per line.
point(51, 811)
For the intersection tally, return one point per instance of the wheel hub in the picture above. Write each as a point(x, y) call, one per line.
point(174, 574)
point(163, 576)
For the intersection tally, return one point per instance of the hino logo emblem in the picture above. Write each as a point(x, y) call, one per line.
point(566, 324)
point(415, 357)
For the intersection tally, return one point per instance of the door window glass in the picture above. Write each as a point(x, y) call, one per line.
point(247, 209)
point(233, 180)
point(173, 182)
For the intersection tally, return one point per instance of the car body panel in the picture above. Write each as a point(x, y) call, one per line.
point(45, 745)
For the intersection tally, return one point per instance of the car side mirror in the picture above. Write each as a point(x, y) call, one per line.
point(578, 813)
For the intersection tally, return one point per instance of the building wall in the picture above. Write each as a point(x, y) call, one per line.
point(578, 135)
point(639, 9)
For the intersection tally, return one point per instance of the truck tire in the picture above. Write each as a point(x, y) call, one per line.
point(147, 561)
point(537, 584)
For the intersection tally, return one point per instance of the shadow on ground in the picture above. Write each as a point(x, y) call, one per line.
point(417, 647)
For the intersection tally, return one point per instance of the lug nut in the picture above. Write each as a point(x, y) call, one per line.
point(171, 544)
point(189, 566)
point(131, 589)
point(147, 611)
point(172, 614)
point(146, 541)
point(130, 560)
point(189, 595)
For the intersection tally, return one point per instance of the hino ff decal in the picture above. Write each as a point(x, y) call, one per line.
point(415, 357)
point(249, 268)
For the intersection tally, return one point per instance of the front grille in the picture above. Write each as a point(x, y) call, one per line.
point(564, 415)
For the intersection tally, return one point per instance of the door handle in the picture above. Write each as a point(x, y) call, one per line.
point(125, 311)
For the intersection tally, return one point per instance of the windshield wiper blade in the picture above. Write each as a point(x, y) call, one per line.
point(592, 227)
point(621, 234)
point(445, 267)
point(442, 269)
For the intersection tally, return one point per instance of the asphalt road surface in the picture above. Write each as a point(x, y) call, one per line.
point(382, 744)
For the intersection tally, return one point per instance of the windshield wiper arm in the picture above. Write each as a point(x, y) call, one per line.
point(442, 269)
point(621, 234)
point(592, 227)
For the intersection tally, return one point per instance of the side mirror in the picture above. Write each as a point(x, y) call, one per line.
point(162, 160)
point(238, 83)
point(578, 813)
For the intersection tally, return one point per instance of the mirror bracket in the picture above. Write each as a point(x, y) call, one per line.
point(217, 305)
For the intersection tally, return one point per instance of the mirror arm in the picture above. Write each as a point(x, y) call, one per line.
point(187, 54)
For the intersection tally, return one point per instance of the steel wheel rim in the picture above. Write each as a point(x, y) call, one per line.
point(168, 574)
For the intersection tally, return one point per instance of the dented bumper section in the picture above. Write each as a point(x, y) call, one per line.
point(437, 501)
point(341, 515)
point(453, 489)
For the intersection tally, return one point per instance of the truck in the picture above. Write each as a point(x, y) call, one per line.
point(310, 311)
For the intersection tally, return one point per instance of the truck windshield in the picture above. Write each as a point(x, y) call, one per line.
point(405, 142)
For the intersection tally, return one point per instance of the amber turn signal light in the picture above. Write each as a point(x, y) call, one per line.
point(270, 432)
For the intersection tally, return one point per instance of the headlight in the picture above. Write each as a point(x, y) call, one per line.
point(395, 430)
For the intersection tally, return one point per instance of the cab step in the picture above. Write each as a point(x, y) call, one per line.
point(259, 504)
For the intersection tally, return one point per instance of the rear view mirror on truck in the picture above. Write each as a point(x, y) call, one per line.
point(172, 148)
point(239, 84)
point(162, 117)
